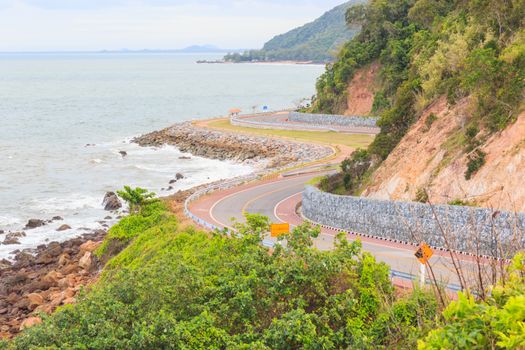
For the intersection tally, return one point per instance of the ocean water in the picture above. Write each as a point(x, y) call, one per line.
point(53, 105)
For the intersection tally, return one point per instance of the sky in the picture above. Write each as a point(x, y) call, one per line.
point(85, 25)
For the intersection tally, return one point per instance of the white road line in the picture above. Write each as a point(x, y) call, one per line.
point(245, 190)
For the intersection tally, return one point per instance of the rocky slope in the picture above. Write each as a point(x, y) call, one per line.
point(431, 158)
point(255, 150)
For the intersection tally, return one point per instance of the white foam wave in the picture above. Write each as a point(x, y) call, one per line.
point(9, 221)
point(75, 201)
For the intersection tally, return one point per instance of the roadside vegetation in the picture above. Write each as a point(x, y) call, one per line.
point(459, 50)
point(181, 288)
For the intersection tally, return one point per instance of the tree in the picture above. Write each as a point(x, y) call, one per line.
point(136, 198)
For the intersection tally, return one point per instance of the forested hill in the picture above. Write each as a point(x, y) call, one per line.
point(465, 55)
point(316, 41)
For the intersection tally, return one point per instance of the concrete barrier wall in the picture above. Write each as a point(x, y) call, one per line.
point(332, 119)
point(472, 230)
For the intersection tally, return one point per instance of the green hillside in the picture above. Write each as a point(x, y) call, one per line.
point(462, 50)
point(316, 41)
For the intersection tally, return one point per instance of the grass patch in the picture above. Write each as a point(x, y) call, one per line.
point(315, 181)
point(327, 137)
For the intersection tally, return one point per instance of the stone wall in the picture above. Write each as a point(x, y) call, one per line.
point(332, 119)
point(416, 222)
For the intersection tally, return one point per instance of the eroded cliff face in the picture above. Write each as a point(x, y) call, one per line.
point(432, 158)
point(361, 91)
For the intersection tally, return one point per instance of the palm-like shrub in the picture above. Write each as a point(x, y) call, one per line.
point(136, 198)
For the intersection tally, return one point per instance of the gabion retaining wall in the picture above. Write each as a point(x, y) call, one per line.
point(471, 230)
point(332, 119)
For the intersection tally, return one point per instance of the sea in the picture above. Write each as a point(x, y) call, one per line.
point(65, 118)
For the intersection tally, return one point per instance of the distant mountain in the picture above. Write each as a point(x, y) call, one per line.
point(317, 41)
point(207, 48)
point(189, 49)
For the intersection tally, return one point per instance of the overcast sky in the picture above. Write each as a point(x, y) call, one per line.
point(47, 25)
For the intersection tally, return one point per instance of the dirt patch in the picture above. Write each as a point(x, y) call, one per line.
point(361, 91)
point(432, 157)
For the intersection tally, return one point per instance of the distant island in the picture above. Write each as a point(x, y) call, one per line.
point(314, 42)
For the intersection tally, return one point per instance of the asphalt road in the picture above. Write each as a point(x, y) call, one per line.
point(278, 200)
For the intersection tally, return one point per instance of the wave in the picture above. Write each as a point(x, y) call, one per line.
point(9, 221)
point(75, 201)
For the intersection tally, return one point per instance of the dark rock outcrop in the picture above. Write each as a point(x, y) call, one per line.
point(34, 223)
point(111, 201)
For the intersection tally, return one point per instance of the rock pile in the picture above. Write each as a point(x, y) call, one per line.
point(43, 281)
point(224, 145)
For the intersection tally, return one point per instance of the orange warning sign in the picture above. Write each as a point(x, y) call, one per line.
point(277, 230)
point(424, 253)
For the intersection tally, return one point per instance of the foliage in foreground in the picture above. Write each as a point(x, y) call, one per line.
point(186, 290)
point(498, 323)
point(174, 288)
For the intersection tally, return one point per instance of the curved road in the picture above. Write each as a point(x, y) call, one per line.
point(279, 198)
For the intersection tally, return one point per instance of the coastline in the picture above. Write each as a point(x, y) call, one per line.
point(284, 62)
point(40, 280)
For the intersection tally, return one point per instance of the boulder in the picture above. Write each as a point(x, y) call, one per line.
point(35, 300)
point(23, 259)
point(63, 259)
point(52, 278)
point(111, 201)
point(89, 246)
point(15, 234)
point(30, 322)
point(86, 261)
point(12, 237)
point(64, 228)
point(179, 176)
point(172, 182)
point(45, 259)
point(57, 218)
point(5, 264)
point(8, 241)
point(67, 301)
point(184, 157)
point(123, 153)
point(34, 223)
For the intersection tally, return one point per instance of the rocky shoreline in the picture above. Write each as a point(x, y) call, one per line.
point(259, 151)
point(40, 280)
point(45, 278)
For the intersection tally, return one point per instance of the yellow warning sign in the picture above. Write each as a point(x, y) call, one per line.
point(424, 253)
point(277, 230)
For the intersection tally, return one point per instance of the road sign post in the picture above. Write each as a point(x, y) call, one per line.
point(277, 230)
point(422, 277)
point(423, 254)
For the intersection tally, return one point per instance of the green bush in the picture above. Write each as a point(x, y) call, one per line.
point(475, 161)
point(191, 290)
point(497, 323)
point(421, 195)
point(152, 215)
point(429, 121)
